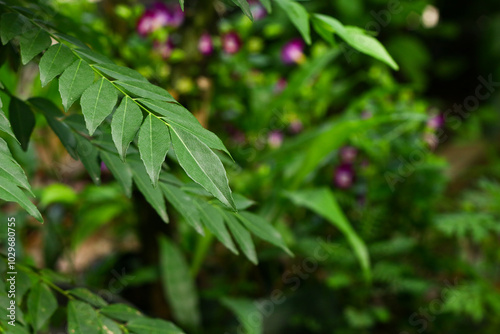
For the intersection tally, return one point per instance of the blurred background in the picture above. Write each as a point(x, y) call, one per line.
point(423, 193)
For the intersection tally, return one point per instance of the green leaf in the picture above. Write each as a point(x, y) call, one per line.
point(5, 124)
point(119, 72)
point(357, 38)
point(32, 43)
point(299, 17)
point(41, 305)
point(124, 124)
point(97, 103)
point(121, 171)
point(153, 195)
point(178, 116)
point(10, 192)
point(247, 313)
point(22, 120)
point(202, 165)
point(153, 143)
point(92, 56)
point(184, 204)
point(267, 5)
point(323, 203)
point(261, 228)
point(245, 7)
point(152, 326)
point(89, 156)
point(10, 169)
point(108, 326)
point(241, 235)
point(82, 318)
point(62, 130)
point(214, 221)
point(121, 312)
point(55, 60)
point(74, 81)
point(12, 25)
point(146, 90)
point(181, 2)
point(89, 297)
point(242, 202)
point(178, 285)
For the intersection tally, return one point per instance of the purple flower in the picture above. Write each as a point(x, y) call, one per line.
point(164, 48)
point(205, 45)
point(365, 114)
point(258, 11)
point(160, 15)
point(231, 42)
point(104, 168)
point(293, 52)
point(280, 85)
point(348, 154)
point(436, 121)
point(275, 139)
point(295, 126)
point(343, 176)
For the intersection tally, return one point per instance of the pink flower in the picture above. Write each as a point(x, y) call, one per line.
point(231, 43)
point(343, 176)
point(164, 48)
point(160, 15)
point(293, 52)
point(205, 45)
point(258, 11)
point(365, 114)
point(348, 154)
point(436, 121)
point(275, 139)
point(280, 86)
point(295, 126)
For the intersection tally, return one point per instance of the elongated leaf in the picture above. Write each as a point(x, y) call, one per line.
point(41, 305)
point(299, 17)
point(97, 103)
point(92, 57)
point(214, 221)
point(11, 193)
point(126, 121)
point(89, 156)
point(357, 38)
point(241, 235)
point(245, 7)
point(121, 312)
point(247, 313)
point(4, 148)
point(178, 116)
point(146, 90)
point(323, 202)
point(12, 25)
point(10, 169)
point(184, 204)
point(119, 72)
point(201, 165)
point(22, 120)
point(153, 195)
point(121, 171)
point(152, 326)
point(54, 61)
point(154, 142)
point(74, 81)
point(267, 5)
point(258, 226)
point(5, 124)
point(82, 318)
point(108, 326)
point(181, 2)
point(88, 296)
point(62, 130)
point(32, 43)
point(178, 286)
